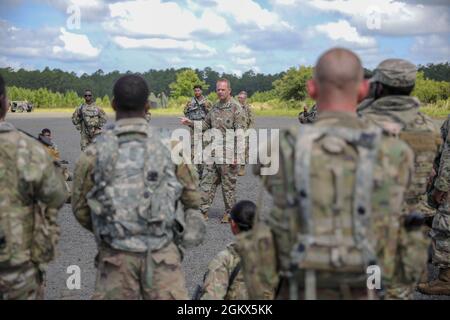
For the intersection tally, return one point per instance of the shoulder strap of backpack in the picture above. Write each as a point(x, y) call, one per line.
point(234, 274)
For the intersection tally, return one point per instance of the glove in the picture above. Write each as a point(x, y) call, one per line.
point(195, 229)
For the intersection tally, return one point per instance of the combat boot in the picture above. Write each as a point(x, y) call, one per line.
point(440, 286)
point(205, 216)
point(225, 218)
point(241, 171)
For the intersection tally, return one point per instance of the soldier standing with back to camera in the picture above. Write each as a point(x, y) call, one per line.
point(32, 191)
point(89, 119)
point(141, 208)
point(338, 192)
point(397, 113)
point(440, 231)
point(196, 110)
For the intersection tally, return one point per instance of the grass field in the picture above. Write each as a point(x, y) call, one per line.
point(439, 110)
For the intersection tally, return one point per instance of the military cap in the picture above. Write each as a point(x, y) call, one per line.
point(395, 73)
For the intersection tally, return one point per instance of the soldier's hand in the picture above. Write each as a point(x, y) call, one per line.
point(195, 228)
point(185, 121)
point(439, 196)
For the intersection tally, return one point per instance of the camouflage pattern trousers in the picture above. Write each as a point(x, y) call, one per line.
point(85, 141)
point(440, 236)
point(133, 276)
point(21, 283)
point(213, 174)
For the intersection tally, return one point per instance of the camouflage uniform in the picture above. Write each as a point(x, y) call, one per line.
point(309, 116)
point(216, 285)
point(223, 116)
point(399, 116)
point(32, 192)
point(250, 122)
point(138, 237)
point(332, 177)
point(440, 231)
point(89, 119)
point(148, 116)
point(196, 110)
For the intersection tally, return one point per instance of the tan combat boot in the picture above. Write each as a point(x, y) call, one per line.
point(205, 216)
point(440, 286)
point(241, 171)
point(225, 218)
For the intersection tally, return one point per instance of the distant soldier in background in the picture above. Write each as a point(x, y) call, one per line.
point(32, 191)
point(141, 207)
point(440, 231)
point(308, 116)
point(223, 280)
point(250, 121)
point(196, 110)
point(393, 109)
point(89, 119)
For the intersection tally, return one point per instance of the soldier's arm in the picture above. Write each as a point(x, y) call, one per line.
point(102, 116)
point(206, 124)
point(215, 284)
point(82, 184)
point(187, 176)
point(186, 109)
point(251, 118)
point(208, 106)
point(76, 119)
point(442, 182)
point(50, 189)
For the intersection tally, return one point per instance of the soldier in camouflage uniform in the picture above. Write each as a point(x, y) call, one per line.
point(32, 192)
point(225, 115)
point(196, 110)
point(440, 232)
point(356, 177)
point(308, 116)
point(393, 109)
point(223, 280)
point(89, 119)
point(250, 121)
point(141, 208)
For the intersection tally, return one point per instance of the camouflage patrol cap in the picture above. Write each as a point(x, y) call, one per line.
point(395, 73)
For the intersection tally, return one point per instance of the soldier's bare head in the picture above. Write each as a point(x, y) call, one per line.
point(3, 99)
point(198, 91)
point(242, 216)
point(130, 96)
point(223, 89)
point(242, 96)
point(338, 83)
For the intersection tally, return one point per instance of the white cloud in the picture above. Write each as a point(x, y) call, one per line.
point(432, 48)
point(47, 43)
point(342, 31)
point(248, 12)
point(76, 44)
point(194, 47)
point(244, 61)
point(239, 49)
point(162, 19)
point(396, 17)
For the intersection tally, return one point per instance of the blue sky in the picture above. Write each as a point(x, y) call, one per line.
point(227, 35)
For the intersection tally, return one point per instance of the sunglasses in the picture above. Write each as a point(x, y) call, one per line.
point(88, 95)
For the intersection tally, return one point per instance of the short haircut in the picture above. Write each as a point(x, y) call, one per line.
point(131, 93)
point(88, 90)
point(338, 69)
point(224, 80)
point(243, 92)
point(243, 214)
point(2, 86)
point(197, 86)
point(46, 130)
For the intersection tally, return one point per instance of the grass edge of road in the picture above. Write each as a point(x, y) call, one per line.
point(432, 112)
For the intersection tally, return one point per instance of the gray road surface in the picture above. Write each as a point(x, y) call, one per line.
point(77, 246)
